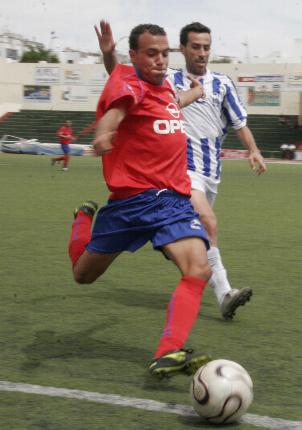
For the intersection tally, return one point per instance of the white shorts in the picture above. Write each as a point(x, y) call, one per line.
point(204, 184)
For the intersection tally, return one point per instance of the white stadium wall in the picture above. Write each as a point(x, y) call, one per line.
point(52, 86)
point(280, 83)
point(273, 89)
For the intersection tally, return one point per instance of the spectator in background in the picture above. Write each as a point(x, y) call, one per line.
point(288, 122)
point(65, 134)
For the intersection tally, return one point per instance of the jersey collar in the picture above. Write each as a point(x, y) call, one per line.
point(201, 77)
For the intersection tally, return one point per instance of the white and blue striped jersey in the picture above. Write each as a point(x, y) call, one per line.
point(207, 120)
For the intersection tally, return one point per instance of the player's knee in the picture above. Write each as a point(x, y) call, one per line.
point(199, 270)
point(82, 278)
point(205, 271)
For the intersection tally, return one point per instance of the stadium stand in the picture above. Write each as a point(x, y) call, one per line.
point(269, 132)
point(43, 125)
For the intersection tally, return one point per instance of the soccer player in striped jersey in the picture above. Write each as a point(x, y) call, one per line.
point(206, 123)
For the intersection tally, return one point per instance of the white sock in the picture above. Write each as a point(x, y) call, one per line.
point(219, 281)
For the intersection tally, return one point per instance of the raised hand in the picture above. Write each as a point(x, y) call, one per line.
point(105, 37)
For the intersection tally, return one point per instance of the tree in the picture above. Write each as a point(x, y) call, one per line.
point(34, 55)
point(225, 60)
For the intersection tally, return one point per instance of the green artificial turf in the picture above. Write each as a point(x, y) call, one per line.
point(100, 337)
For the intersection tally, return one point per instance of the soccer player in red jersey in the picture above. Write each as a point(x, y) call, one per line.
point(206, 125)
point(66, 137)
point(141, 139)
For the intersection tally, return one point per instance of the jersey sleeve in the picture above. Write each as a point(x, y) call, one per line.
point(117, 89)
point(233, 107)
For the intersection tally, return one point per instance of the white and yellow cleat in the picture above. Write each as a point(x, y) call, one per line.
point(181, 361)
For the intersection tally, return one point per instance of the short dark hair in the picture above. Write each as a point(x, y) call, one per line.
point(195, 27)
point(154, 29)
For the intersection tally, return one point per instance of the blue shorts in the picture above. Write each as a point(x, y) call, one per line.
point(161, 216)
point(65, 148)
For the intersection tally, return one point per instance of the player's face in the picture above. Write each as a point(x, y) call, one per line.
point(197, 52)
point(151, 57)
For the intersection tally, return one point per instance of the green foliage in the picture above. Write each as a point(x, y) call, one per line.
point(224, 60)
point(100, 337)
point(34, 55)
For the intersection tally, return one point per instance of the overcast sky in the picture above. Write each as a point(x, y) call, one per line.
point(266, 25)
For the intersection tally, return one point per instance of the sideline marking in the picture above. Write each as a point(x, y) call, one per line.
point(148, 405)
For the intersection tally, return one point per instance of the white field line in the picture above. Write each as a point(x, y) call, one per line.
point(148, 405)
point(268, 161)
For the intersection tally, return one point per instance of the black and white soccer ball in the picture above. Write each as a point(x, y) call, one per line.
point(221, 391)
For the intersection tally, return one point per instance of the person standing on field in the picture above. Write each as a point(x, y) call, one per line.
point(65, 135)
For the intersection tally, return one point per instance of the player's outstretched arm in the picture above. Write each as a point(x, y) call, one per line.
point(255, 158)
point(196, 92)
point(106, 130)
point(107, 45)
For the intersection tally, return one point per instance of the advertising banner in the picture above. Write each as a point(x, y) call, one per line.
point(73, 77)
point(74, 93)
point(293, 83)
point(264, 97)
point(46, 74)
point(36, 93)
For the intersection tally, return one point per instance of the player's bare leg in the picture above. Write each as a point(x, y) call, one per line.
point(229, 299)
point(87, 266)
point(91, 266)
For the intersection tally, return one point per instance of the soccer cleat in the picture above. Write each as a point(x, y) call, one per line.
point(233, 300)
point(52, 162)
point(180, 361)
point(89, 208)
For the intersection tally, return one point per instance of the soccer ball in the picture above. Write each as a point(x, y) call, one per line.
point(221, 391)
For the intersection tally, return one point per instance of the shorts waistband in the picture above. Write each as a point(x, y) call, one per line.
point(164, 192)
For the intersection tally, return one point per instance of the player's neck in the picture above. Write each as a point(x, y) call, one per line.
point(194, 75)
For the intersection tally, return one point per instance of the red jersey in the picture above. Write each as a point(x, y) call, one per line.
point(67, 131)
point(150, 146)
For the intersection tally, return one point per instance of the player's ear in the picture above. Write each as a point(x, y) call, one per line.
point(132, 55)
point(181, 48)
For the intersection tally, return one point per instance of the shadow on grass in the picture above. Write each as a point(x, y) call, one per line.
point(198, 422)
point(151, 383)
point(143, 298)
point(51, 345)
point(123, 296)
point(127, 297)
